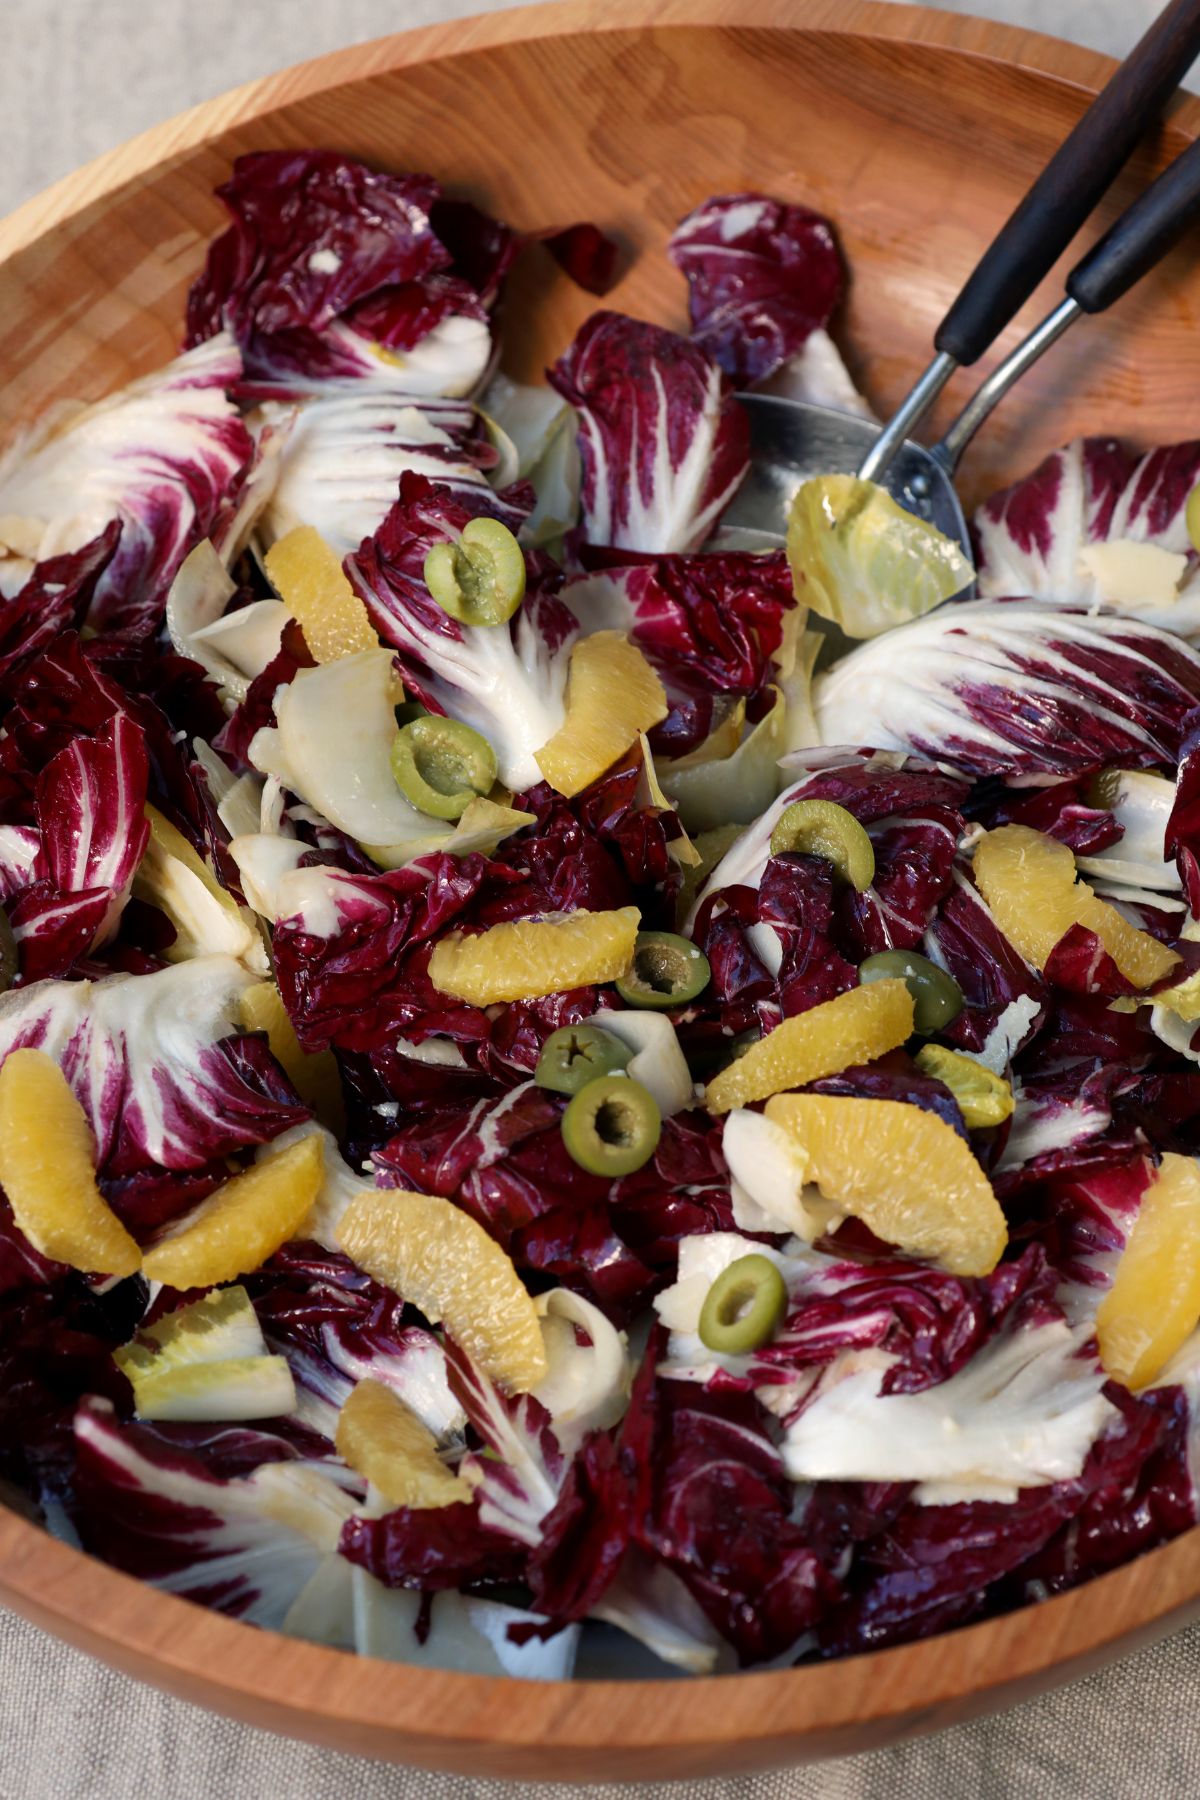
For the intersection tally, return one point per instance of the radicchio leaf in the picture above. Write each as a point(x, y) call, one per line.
point(508, 681)
point(709, 624)
point(519, 1483)
point(160, 457)
point(1031, 537)
point(711, 1501)
point(664, 443)
point(762, 276)
point(242, 1542)
point(154, 1062)
point(343, 455)
point(1016, 688)
point(315, 237)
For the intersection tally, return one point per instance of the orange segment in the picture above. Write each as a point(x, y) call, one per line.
point(315, 1077)
point(385, 1441)
point(47, 1169)
point(613, 695)
point(526, 958)
point(854, 1027)
point(1153, 1305)
point(237, 1228)
point(307, 574)
point(1028, 881)
point(437, 1258)
point(903, 1172)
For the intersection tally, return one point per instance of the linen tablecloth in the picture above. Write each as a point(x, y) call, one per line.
point(77, 76)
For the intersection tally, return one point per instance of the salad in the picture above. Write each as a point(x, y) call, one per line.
point(549, 1122)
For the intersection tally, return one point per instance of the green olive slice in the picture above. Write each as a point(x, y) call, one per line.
point(441, 765)
point(667, 970)
point(576, 1054)
point(612, 1126)
point(480, 580)
point(937, 997)
point(743, 1306)
point(822, 828)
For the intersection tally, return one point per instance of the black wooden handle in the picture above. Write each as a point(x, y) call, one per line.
point(1080, 171)
point(1141, 236)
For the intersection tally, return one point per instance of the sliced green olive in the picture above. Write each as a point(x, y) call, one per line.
point(481, 579)
point(822, 828)
point(10, 960)
point(441, 765)
point(667, 970)
point(612, 1126)
point(577, 1054)
point(937, 997)
point(743, 1306)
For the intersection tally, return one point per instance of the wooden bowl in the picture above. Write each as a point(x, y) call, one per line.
point(915, 131)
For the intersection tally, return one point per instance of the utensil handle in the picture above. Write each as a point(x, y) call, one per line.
point(1141, 237)
point(1080, 171)
point(1129, 249)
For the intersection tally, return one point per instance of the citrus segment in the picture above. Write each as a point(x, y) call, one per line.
point(47, 1170)
point(314, 1076)
point(983, 1098)
point(526, 958)
point(854, 1027)
point(307, 574)
point(441, 1261)
point(1028, 881)
point(383, 1439)
point(613, 695)
point(904, 1172)
point(1153, 1304)
point(246, 1220)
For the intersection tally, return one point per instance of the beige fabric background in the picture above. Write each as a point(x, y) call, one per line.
point(77, 76)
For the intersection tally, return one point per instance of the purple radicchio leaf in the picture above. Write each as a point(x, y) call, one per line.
point(931, 1323)
point(160, 457)
point(507, 682)
point(155, 1062)
point(664, 443)
point(709, 624)
point(56, 598)
point(91, 799)
point(314, 235)
point(337, 1327)
point(762, 277)
point(57, 1336)
point(710, 1500)
point(168, 1506)
point(343, 455)
point(1030, 538)
point(1016, 688)
point(518, 1484)
point(930, 1567)
point(584, 252)
point(1183, 826)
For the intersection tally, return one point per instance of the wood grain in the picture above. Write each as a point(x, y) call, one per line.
point(916, 131)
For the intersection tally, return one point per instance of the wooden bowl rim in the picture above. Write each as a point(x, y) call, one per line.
point(442, 1714)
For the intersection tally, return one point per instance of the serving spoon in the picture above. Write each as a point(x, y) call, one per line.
point(792, 440)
